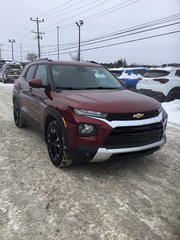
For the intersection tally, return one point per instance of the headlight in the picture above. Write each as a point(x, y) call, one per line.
point(83, 112)
point(86, 130)
point(160, 109)
point(164, 118)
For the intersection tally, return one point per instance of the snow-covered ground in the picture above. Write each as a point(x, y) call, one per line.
point(172, 108)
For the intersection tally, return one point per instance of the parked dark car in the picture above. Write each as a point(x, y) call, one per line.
point(85, 114)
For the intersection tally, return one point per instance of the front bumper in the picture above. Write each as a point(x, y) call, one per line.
point(91, 154)
point(104, 154)
point(119, 139)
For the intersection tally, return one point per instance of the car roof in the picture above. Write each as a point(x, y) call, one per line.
point(165, 69)
point(65, 63)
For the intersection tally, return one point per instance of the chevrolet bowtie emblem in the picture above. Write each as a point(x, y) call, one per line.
point(138, 115)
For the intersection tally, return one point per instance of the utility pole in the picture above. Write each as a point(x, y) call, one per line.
point(12, 49)
point(38, 34)
point(79, 24)
point(0, 51)
point(58, 42)
point(21, 50)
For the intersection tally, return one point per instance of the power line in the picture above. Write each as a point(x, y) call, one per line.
point(77, 14)
point(123, 33)
point(129, 41)
point(105, 12)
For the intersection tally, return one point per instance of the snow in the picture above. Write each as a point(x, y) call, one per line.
point(172, 108)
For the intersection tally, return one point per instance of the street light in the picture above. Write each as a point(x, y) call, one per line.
point(79, 24)
point(12, 41)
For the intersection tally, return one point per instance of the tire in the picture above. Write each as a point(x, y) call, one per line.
point(172, 95)
point(56, 146)
point(4, 79)
point(18, 120)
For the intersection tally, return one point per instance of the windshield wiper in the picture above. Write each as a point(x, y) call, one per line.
point(88, 88)
point(102, 88)
point(67, 88)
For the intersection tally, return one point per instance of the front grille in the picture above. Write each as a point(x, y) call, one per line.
point(129, 116)
point(134, 136)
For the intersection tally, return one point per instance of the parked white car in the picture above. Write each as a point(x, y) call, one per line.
point(10, 71)
point(161, 83)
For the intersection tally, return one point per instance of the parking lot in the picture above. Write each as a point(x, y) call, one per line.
point(131, 199)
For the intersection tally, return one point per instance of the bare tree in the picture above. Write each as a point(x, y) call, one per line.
point(31, 57)
point(74, 57)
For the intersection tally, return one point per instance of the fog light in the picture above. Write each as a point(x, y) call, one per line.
point(86, 130)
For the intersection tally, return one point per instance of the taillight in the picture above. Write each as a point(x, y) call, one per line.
point(161, 80)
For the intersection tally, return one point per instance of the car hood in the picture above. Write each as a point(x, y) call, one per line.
point(112, 101)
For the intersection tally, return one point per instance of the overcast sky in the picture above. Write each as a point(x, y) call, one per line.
point(101, 17)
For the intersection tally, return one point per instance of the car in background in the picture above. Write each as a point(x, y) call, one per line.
point(10, 71)
point(162, 84)
point(85, 114)
point(131, 76)
point(116, 72)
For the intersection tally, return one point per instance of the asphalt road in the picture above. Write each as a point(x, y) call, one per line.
point(132, 199)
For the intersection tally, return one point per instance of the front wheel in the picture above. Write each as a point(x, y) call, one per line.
point(56, 146)
point(18, 120)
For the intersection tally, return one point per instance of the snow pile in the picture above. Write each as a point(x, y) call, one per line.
point(173, 110)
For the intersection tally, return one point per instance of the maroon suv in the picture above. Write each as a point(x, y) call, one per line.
point(85, 114)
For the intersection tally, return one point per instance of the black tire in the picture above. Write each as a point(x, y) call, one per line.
point(56, 146)
point(18, 120)
point(4, 80)
point(172, 95)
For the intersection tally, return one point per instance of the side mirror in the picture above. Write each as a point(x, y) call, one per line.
point(37, 83)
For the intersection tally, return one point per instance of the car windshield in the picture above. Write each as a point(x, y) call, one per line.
point(83, 77)
point(155, 73)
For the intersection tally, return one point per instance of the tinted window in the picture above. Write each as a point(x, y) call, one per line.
point(116, 73)
point(83, 77)
point(1, 64)
point(13, 66)
point(155, 73)
point(139, 71)
point(177, 73)
point(41, 73)
point(30, 73)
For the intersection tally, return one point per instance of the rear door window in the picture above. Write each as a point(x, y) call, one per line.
point(156, 73)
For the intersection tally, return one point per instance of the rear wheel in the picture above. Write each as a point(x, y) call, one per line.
point(18, 120)
point(172, 95)
point(56, 146)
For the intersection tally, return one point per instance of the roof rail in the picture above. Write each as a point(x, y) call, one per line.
point(42, 59)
